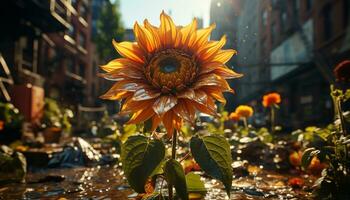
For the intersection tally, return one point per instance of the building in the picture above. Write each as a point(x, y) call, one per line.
point(299, 43)
point(46, 46)
point(224, 13)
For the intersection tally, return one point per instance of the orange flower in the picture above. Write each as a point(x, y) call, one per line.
point(234, 116)
point(2, 125)
point(244, 111)
point(295, 158)
point(271, 99)
point(342, 71)
point(169, 73)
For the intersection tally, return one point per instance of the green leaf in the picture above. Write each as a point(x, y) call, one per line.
point(213, 155)
point(194, 183)
point(128, 130)
point(307, 156)
point(176, 176)
point(140, 157)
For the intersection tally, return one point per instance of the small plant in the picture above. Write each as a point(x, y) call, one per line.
point(271, 101)
point(10, 123)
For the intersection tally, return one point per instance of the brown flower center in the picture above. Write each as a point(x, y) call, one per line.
point(171, 70)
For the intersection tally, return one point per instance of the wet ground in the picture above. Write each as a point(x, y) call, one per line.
point(108, 183)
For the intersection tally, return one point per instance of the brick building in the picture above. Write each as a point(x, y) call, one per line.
point(300, 42)
point(47, 48)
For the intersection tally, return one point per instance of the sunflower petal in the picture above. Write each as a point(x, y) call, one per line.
point(141, 115)
point(168, 122)
point(184, 110)
point(155, 33)
point(155, 122)
point(144, 94)
point(202, 36)
point(129, 50)
point(211, 48)
point(204, 108)
point(223, 56)
point(164, 104)
point(188, 93)
point(212, 80)
point(144, 38)
point(116, 95)
point(132, 106)
point(209, 67)
point(167, 30)
point(216, 94)
point(120, 63)
point(227, 73)
point(187, 32)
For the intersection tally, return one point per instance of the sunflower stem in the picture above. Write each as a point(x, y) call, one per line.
point(173, 156)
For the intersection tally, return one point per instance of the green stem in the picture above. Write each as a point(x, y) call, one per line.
point(340, 115)
point(272, 118)
point(245, 122)
point(173, 156)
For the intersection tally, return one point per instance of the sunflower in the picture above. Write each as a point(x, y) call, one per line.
point(169, 73)
point(271, 99)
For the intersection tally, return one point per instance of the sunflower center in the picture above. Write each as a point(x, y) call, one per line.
point(171, 70)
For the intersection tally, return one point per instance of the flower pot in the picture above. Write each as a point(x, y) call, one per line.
point(52, 135)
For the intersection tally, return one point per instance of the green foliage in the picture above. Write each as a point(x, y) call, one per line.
point(194, 183)
point(175, 175)
point(55, 116)
point(13, 165)
point(140, 156)
point(10, 116)
point(213, 155)
point(109, 26)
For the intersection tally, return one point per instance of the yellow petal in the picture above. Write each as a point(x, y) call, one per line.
point(223, 56)
point(155, 33)
point(211, 48)
point(144, 38)
point(187, 32)
point(164, 104)
point(167, 30)
point(141, 115)
point(130, 50)
point(120, 63)
point(226, 73)
point(202, 37)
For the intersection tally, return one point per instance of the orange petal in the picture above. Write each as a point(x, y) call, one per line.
point(223, 56)
point(204, 109)
point(164, 104)
point(141, 115)
point(227, 73)
point(202, 36)
point(211, 48)
point(120, 63)
point(116, 95)
point(168, 123)
point(144, 94)
point(209, 67)
point(130, 50)
point(167, 30)
point(212, 80)
point(155, 33)
point(132, 106)
point(155, 122)
point(217, 94)
point(188, 93)
point(144, 38)
point(184, 110)
point(200, 97)
point(121, 73)
point(187, 32)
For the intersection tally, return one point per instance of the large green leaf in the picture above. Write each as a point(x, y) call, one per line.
point(194, 183)
point(213, 155)
point(176, 176)
point(140, 157)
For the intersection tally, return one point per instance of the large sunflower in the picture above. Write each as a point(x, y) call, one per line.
point(169, 73)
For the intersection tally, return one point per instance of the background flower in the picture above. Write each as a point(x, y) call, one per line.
point(234, 116)
point(271, 99)
point(244, 111)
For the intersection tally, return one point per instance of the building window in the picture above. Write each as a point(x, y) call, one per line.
point(346, 13)
point(327, 22)
point(71, 31)
point(82, 40)
point(284, 18)
point(309, 5)
point(70, 64)
point(264, 17)
point(83, 11)
point(82, 70)
point(274, 33)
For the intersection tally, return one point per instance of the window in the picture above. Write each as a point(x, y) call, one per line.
point(82, 70)
point(82, 40)
point(274, 33)
point(284, 18)
point(83, 11)
point(71, 31)
point(346, 13)
point(264, 18)
point(70, 65)
point(309, 5)
point(327, 22)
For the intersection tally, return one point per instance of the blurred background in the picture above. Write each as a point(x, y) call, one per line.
point(52, 49)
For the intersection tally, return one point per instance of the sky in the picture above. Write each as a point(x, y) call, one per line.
point(182, 11)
